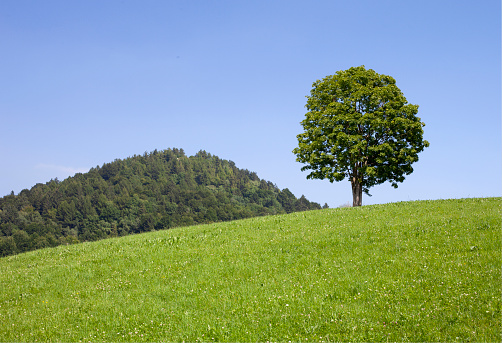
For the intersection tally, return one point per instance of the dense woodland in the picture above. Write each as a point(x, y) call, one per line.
point(155, 191)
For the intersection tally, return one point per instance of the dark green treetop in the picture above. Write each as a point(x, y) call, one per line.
point(359, 126)
point(153, 191)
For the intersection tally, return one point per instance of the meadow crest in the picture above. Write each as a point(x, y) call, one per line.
point(414, 271)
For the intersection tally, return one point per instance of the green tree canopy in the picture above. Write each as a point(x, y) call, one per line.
point(359, 126)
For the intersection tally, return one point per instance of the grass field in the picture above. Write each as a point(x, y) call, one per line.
point(415, 271)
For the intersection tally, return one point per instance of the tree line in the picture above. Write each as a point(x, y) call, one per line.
point(154, 191)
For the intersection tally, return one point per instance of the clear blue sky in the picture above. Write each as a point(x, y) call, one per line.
point(85, 82)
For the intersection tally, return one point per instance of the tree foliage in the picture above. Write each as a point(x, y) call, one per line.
point(359, 126)
point(155, 191)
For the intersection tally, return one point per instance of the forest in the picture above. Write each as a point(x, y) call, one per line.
point(154, 191)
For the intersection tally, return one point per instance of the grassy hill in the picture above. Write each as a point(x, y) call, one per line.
point(416, 271)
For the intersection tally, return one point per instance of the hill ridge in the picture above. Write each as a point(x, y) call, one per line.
point(153, 191)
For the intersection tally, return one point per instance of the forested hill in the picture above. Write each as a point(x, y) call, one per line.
point(155, 191)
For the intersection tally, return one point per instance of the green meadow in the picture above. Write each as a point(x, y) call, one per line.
point(410, 271)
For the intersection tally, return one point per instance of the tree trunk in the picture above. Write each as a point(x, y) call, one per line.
point(357, 193)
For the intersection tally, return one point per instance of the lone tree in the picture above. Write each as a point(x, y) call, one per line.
point(359, 126)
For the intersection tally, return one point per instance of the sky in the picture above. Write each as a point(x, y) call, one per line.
point(83, 83)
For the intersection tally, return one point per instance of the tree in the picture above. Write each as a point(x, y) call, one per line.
point(7, 246)
point(359, 126)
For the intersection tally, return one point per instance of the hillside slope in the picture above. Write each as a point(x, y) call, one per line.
point(158, 190)
point(417, 271)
